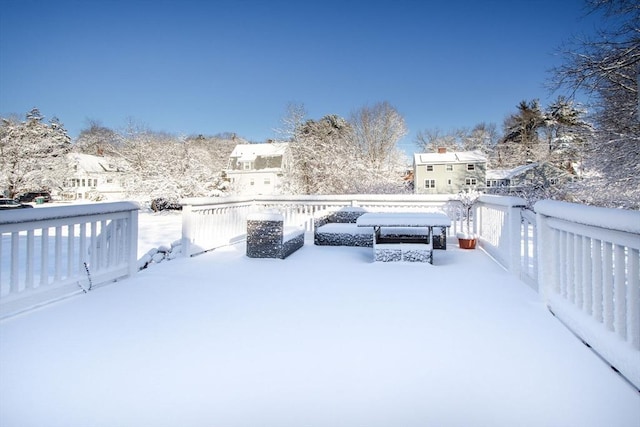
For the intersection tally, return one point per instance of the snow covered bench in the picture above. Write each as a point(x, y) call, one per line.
point(404, 236)
point(267, 237)
point(338, 228)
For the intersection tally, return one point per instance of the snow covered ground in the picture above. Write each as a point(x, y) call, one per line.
point(156, 229)
point(323, 338)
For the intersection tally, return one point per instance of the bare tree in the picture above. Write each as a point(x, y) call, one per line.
point(429, 140)
point(292, 121)
point(376, 132)
point(322, 158)
point(482, 137)
point(607, 67)
point(97, 139)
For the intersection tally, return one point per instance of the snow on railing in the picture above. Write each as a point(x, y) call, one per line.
point(208, 223)
point(589, 275)
point(50, 253)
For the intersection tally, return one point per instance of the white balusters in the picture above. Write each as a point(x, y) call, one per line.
point(594, 287)
point(50, 249)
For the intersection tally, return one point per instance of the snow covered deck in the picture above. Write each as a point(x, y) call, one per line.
point(323, 338)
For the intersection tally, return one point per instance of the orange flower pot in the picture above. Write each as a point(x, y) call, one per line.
point(467, 243)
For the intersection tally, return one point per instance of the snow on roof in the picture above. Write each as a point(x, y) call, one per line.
point(511, 173)
point(249, 152)
point(90, 163)
point(450, 157)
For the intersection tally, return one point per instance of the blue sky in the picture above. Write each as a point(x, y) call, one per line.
point(205, 67)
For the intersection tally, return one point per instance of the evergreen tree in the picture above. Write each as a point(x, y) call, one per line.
point(33, 154)
point(520, 144)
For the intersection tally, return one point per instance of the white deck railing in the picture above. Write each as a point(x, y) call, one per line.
point(506, 231)
point(497, 221)
point(54, 252)
point(590, 277)
point(584, 261)
point(209, 223)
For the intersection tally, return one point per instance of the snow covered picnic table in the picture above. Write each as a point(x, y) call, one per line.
point(403, 236)
point(403, 219)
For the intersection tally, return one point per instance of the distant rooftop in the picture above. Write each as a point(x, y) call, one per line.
point(249, 152)
point(509, 173)
point(449, 157)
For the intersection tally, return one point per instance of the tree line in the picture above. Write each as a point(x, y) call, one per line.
point(330, 155)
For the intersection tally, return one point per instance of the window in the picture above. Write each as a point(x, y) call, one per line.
point(471, 167)
point(246, 165)
point(252, 181)
point(449, 182)
point(267, 181)
point(429, 168)
point(429, 183)
point(449, 168)
point(471, 181)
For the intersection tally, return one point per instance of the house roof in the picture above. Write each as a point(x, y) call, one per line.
point(97, 164)
point(449, 157)
point(519, 170)
point(249, 152)
point(509, 173)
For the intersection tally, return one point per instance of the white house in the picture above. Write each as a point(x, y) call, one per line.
point(532, 175)
point(257, 168)
point(94, 178)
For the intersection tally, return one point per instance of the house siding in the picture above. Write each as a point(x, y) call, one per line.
point(448, 177)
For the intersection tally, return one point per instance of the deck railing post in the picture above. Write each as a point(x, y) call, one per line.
point(514, 223)
point(547, 277)
point(132, 236)
point(186, 230)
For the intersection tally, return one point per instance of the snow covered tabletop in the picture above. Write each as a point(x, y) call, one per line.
point(403, 219)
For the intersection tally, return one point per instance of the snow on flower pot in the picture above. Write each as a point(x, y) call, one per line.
point(466, 241)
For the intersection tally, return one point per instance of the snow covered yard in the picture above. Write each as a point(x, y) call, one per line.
point(323, 338)
point(156, 229)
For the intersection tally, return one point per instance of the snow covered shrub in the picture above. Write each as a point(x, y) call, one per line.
point(161, 204)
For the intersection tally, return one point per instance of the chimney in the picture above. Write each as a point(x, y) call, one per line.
point(442, 150)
